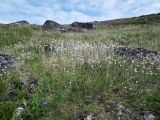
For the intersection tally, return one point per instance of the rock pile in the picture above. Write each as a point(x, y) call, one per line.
point(6, 63)
point(82, 25)
point(138, 53)
point(54, 26)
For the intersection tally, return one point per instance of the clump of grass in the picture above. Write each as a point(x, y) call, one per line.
point(137, 37)
point(10, 35)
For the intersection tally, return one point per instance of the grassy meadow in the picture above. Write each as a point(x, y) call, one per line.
point(82, 76)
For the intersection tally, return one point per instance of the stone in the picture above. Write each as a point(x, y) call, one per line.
point(148, 115)
point(89, 117)
point(6, 63)
point(49, 48)
point(27, 84)
point(82, 116)
point(19, 111)
point(23, 22)
point(82, 25)
point(51, 25)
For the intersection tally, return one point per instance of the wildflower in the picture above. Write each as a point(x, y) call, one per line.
point(135, 70)
point(137, 65)
point(151, 73)
point(19, 111)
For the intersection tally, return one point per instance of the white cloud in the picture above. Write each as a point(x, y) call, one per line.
point(67, 11)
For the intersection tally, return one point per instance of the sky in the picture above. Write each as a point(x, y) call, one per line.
point(68, 11)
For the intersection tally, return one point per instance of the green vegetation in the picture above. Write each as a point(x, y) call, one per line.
point(83, 76)
point(153, 18)
point(141, 20)
point(10, 35)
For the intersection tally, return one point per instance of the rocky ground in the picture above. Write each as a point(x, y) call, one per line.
point(137, 53)
point(6, 63)
point(120, 112)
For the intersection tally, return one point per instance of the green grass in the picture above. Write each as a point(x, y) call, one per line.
point(81, 76)
point(10, 35)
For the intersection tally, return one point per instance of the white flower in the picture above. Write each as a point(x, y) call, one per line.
point(135, 70)
point(19, 111)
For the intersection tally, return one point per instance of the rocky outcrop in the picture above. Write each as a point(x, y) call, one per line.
point(23, 22)
point(138, 53)
point(54, 26)
point(82, 25)
point(51, 25)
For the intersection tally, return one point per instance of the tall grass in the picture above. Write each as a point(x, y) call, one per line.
point(11, 34)
point(84, 75)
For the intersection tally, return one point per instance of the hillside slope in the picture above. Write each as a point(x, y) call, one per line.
point(145, 19)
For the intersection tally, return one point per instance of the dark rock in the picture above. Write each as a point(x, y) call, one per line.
point(82, 25)
point(27, 86)
point(148, 115)
point(11, 94)
point(54, 26)
point(82, 116)
point(138, 53)
point(51, 25)
point(6, 63)
point(49, 48)
point(23, 22)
